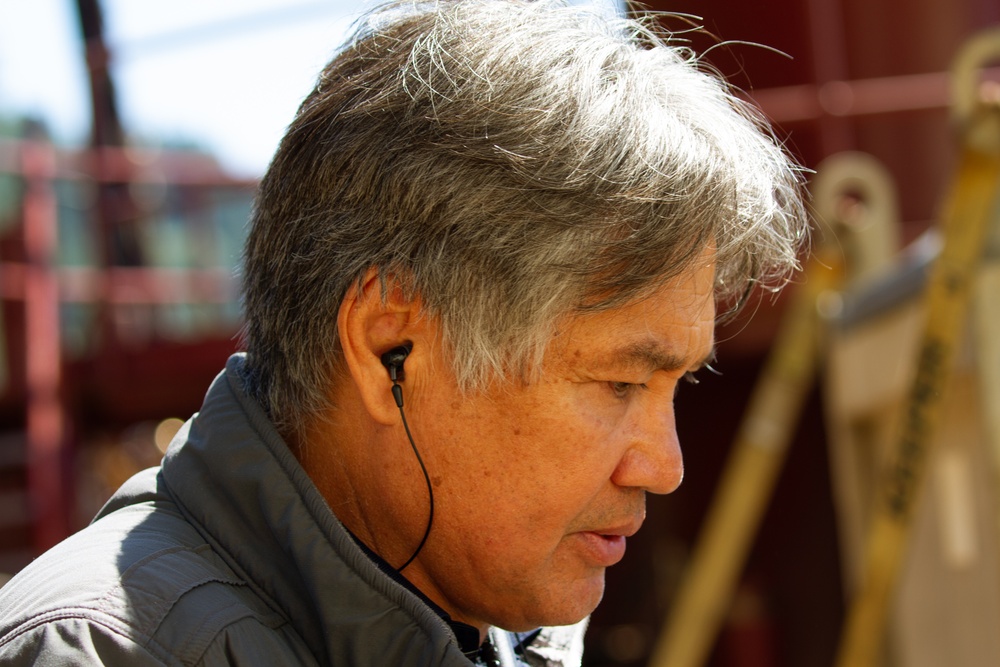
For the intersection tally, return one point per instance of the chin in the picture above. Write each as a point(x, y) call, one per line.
point(563, 605)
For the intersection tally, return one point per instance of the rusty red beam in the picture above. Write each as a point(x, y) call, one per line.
point(137, 165)
point(863, 97)
point(48, 483)
point(126, 285)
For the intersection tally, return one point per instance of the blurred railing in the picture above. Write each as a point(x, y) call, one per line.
point(71, 304)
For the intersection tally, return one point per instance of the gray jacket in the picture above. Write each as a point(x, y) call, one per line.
point(227, 554)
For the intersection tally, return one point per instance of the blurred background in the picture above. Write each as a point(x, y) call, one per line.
point(131, 136)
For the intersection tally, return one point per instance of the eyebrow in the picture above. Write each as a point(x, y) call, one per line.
point(652, 356)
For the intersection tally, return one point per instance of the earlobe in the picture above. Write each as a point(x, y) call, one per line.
point(370, 327)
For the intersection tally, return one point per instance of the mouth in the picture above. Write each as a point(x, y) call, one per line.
point(602, 549)
point(606, 546)
point(624, 530)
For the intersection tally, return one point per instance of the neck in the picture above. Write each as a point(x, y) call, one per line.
point(370, 480)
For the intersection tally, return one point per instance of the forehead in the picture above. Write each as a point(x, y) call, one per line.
point(670, 328)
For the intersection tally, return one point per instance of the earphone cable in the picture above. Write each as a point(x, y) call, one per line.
point(427, 479)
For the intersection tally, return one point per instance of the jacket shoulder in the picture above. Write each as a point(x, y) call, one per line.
point(139, 586)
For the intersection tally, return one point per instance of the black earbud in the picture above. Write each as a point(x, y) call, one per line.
point(393, 362)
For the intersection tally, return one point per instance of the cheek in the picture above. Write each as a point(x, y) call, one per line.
point(537, 457)
point(568, 452)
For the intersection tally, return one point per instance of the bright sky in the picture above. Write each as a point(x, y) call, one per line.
point(225, 74)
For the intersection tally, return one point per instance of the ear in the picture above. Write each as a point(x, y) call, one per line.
point(369, 326)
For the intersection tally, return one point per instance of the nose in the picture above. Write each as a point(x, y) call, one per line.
point(652, 460)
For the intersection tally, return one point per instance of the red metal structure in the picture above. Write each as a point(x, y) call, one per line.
point(56, 402)
point(53, 404)
point(46, 420)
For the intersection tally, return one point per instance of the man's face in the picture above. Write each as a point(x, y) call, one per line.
point(537, 486)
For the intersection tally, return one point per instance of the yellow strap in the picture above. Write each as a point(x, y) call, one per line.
point(965, 223)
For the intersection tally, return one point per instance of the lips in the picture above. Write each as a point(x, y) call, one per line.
point(602, 550)
point(624, 530)
point(606, 546)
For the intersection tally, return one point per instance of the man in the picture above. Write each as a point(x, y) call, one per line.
point(485, 255)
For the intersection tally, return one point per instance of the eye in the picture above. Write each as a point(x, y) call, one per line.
point(623, 390)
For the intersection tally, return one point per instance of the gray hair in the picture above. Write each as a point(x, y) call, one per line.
point(511, 163)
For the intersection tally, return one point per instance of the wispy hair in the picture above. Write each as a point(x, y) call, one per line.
point(512, 163)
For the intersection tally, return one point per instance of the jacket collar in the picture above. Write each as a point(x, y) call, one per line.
point(237, 482)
